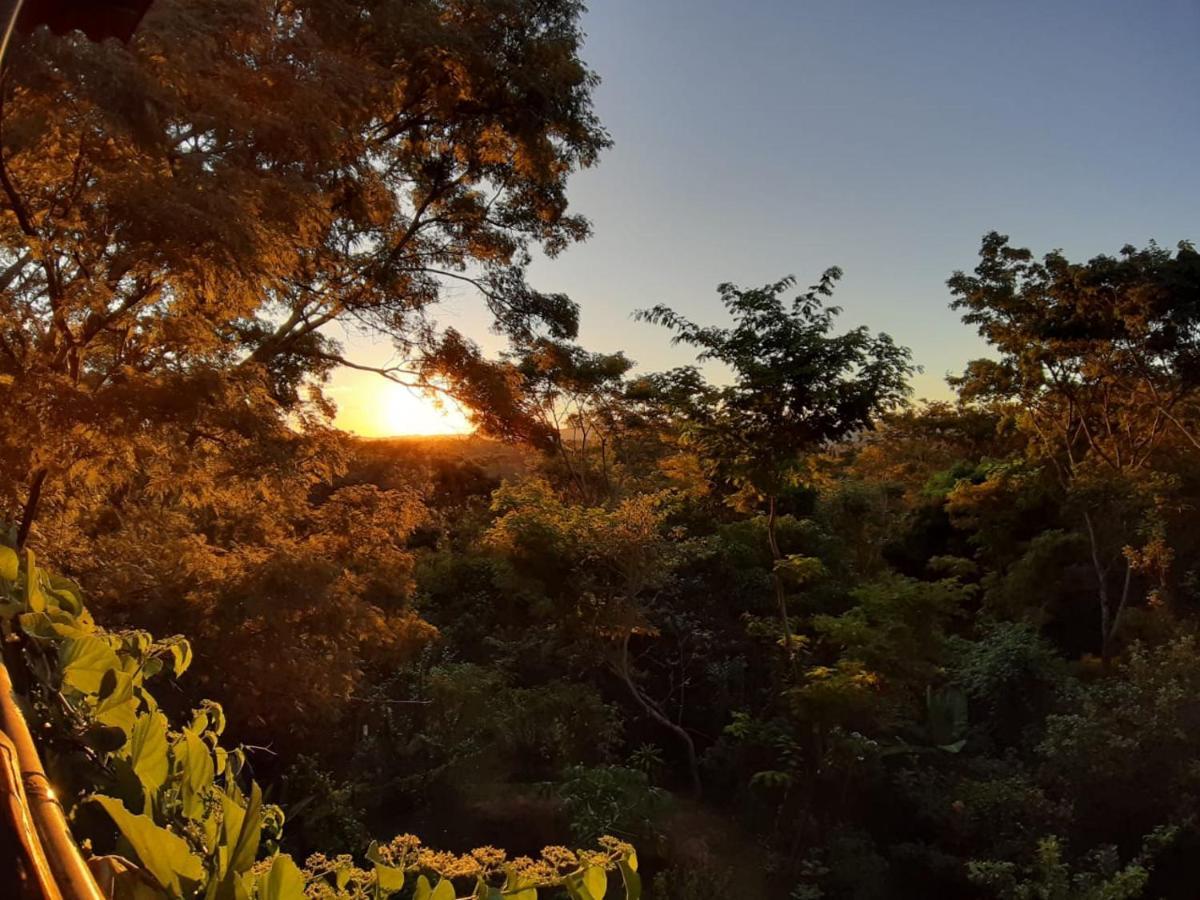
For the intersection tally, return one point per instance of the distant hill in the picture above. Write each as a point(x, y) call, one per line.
point(496, 459)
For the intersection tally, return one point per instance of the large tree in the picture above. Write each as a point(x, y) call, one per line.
point(187, 224)
point(184, 221)
point(1099, 363)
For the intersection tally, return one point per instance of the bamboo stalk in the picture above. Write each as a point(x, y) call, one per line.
point(34, 872)
point(73, 878)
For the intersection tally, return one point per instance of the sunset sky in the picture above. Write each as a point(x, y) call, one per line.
point(756, 139)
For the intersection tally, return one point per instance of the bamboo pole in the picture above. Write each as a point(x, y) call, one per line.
point(31, 870)
point(73, 878)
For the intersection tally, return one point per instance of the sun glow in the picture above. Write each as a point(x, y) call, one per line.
point(384, 409)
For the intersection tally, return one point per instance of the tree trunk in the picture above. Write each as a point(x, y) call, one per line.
point(653, 710)
point(1108, 623)
point(31, 507)
point(777, 581)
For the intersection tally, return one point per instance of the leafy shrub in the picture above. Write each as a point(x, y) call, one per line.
point(1011, 676)
point(1125, 750)
point(611, 800)
point(1099, 875)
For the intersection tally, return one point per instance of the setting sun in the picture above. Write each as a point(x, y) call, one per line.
point(372, 407)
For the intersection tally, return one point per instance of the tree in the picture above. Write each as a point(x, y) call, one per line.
point(1100, 364)
point(185, 220)
point(797, 387)
point(599, 567)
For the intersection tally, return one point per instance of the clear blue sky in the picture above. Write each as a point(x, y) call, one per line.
point(759, 138)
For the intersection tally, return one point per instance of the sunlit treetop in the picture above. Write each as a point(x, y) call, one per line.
point(797, 384)
point(1101, 356)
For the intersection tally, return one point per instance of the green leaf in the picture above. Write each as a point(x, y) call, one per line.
point(181, 656)
point(85, 661)
point(198, 772)
point(515, 888)
point(388, 879)
point(121, 879)
point(105, 738)
point(52, 624)
point(423, 890)
point(118, 708)
point(147, 753)
point(165, 855)
point(245, 848)
point(283, 881)
point(573, 885)
point(10, 564)
point(629, 875)
point(596, 882)
point(67, 593)
point(443, 891)
point(373, 853)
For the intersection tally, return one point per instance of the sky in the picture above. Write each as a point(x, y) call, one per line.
point(761, 138)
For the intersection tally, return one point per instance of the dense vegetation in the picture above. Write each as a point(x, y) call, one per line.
point(784, 632)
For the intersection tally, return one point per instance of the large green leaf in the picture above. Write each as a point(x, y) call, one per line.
point(85, 661)
point(147, 753)
point(516, 888)
point(424, 891)
point(119, 879)
point(197, 772)
point(181, 656)
point(117, 706)
point(595, 882)
point(242, 832)
point(164, 855)
point(573, 885)
point(388, 879)
point(283, 881)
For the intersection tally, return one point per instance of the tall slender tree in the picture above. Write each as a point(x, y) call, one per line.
point(797, 386)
